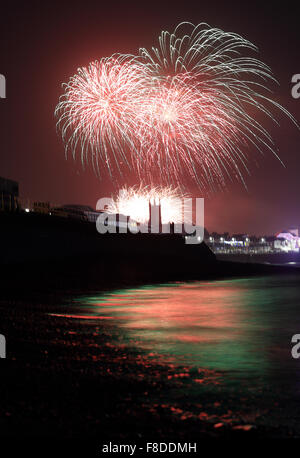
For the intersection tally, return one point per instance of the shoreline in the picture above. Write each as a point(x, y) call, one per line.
point(43, 253)
point(66, 378)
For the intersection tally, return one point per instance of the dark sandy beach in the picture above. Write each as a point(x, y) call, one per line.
point(69, 376)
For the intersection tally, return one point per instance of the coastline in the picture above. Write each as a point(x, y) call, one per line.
point(68, 378)
point(43, 253)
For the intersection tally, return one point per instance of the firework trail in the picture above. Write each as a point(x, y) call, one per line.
point(215, 118)
point(134, 201)
point(99, 109)
point(184, 129)
point(192, 107)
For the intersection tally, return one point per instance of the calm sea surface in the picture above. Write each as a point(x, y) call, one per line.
point(226, 344)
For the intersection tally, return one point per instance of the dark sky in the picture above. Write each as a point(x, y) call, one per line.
point(43, 44)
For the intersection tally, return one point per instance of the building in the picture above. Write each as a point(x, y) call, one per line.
point(41, 207)
point(155, 220)
point(9, 193)
point(286, 241)
point(291, 240)
point(73, 211)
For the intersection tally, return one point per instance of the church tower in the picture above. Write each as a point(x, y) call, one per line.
point(155, 221)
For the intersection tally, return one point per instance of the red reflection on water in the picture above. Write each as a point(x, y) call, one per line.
point(182, 311)
point(82, 317)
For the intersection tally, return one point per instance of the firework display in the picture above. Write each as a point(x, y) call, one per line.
point(192, 108)
point(99, 110)
point(134, 201)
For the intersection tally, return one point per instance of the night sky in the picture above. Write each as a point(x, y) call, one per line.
point(43, 44)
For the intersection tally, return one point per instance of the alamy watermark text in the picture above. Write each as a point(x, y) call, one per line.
point(2, 346)
point(2, 87)
point(119, 223)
